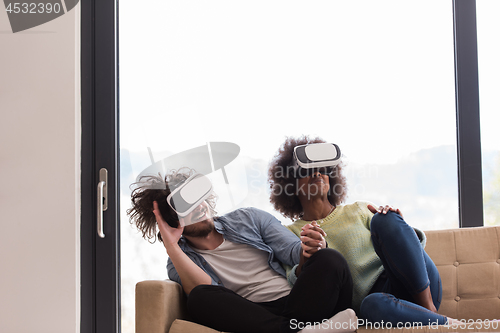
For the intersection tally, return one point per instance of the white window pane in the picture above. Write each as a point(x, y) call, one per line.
point(488, 29)
point(375, 77)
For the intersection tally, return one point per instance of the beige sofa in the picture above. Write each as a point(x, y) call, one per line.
point(467, 259)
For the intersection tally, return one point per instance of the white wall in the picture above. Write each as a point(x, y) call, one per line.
point(40, 176)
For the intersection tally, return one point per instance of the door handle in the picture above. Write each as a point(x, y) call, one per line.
point(102, 200)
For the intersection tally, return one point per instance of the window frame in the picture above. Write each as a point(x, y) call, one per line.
point(100, 257)
point(470, 184)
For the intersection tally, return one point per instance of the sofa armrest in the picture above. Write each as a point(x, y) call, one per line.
point(157, 305)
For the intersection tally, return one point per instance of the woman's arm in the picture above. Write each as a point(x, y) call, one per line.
point(384, 209)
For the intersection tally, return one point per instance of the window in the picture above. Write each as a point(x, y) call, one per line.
point(488, 34)
point(366, 75)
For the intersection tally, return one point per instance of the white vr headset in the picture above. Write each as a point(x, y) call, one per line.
point(190, 194)
point(316, 155)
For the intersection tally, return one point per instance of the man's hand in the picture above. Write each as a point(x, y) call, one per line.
point(313, 239)
point(190, 274)
point(169, 235)
point(384, 209)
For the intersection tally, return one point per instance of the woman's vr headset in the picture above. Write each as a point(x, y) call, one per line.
point(315, 157)
point(190, 194)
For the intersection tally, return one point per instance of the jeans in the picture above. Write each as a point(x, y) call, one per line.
point(323, 288)
point(408, 271)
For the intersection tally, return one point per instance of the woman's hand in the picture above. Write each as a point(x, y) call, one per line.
point(169, 235)
point(313, 239)
point(384, 209)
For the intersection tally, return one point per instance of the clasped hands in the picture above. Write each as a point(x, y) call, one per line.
point(313, 239)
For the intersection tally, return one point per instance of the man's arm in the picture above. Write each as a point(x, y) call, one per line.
point(286, 245)
point(189, 273)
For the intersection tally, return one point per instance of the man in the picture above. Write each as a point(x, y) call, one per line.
point(231, 266)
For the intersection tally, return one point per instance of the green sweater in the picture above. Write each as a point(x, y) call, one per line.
point(347, 230)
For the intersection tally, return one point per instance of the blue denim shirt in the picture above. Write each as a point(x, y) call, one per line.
point(253, 227)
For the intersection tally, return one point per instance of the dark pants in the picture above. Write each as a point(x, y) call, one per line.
point(323, 289)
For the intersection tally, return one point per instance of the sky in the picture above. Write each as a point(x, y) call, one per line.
point(380, 86)
point(254, 72)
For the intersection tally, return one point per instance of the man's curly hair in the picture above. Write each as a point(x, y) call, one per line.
point(283, 183)
point(155, 188)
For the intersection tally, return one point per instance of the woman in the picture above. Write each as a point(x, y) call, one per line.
point(394, 279)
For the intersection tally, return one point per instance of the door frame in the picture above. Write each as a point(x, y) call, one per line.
point(100, 257)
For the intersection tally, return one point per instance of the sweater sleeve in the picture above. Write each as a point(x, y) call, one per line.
point(365, 212)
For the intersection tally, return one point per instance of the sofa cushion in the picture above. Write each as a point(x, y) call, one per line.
point(468, 261)
point(183, 326)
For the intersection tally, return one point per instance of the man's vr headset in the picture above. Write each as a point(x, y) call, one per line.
point(187, 197)
point(315, 157)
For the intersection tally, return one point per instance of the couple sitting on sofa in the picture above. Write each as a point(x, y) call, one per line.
point(245, 272)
